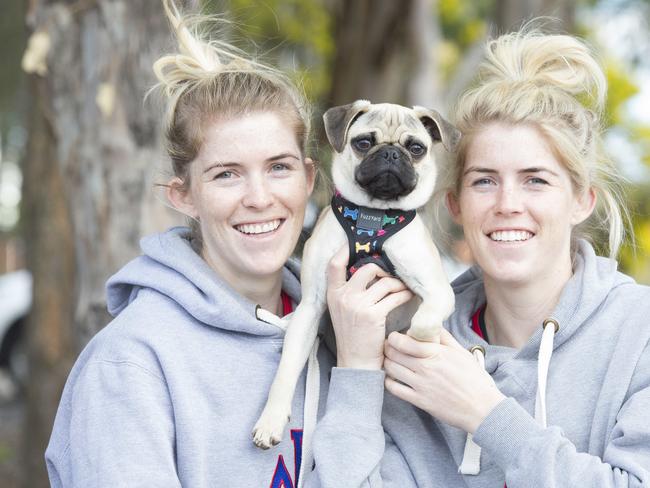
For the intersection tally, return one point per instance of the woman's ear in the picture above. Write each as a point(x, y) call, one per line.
point(181, 197)
point(310, 168)
point(585, 205)
point(454, 207)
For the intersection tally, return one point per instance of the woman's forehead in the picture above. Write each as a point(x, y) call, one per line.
point(258, 135)
point(504, 147)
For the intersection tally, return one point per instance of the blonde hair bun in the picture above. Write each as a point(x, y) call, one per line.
point(554, 61)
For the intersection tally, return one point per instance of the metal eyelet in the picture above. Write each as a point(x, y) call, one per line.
point(551, 321)
point(477, 348)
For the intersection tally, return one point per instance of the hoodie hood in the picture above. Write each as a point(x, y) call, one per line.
point(593, 279)
point(169, 266)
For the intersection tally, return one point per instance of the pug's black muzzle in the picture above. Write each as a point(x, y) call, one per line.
point(387, 173)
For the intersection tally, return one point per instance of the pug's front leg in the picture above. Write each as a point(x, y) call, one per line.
point(417, 263)
point(327, 238)
point(298, 342)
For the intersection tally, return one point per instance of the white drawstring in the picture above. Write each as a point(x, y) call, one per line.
point(471, 463)
point(543, 362)
point(312, 392)
point(310, 412)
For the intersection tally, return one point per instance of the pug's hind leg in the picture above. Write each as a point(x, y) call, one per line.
point(417, 263)
point(426, 323)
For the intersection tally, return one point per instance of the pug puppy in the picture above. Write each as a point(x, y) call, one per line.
point(384, 169)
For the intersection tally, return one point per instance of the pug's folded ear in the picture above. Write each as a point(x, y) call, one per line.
point(339, 119)
point(439, 129)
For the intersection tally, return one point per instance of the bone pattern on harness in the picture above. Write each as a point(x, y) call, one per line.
point(358, 247)
point(350, 213)
point(367, 229)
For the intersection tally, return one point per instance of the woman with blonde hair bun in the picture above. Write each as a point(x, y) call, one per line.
point(542, 376)
point(168, 393)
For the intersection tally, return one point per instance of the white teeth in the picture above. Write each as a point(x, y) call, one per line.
point(511, 235)
point(259, 228)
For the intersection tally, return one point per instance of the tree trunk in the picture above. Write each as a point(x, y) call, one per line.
point(94, 155)
point(373, 51)
point(511, 14)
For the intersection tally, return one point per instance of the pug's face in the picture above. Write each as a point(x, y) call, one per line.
point(384, 155)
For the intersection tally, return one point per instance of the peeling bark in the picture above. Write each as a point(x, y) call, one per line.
point(94, 155)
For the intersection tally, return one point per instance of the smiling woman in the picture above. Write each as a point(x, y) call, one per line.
point(542, 376)
point(249, 189)
point(517, 207)
point(168, 393)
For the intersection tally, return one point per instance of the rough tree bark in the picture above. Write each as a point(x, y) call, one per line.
point(384, 51)
point(94, 155)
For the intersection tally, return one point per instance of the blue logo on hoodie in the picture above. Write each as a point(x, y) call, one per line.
point(281, 477)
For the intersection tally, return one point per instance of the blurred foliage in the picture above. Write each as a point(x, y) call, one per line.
point(294, 35)
point(640, 136)
point(462, 23)
point(636, 260)
point(620, 88)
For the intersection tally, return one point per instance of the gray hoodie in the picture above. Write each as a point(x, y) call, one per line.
point(597, 401)
point(167, 394)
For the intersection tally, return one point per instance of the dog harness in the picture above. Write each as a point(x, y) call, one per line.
point(367, 230)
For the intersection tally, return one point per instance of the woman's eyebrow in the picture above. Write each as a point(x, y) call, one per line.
point(219, 164)
point(478, 169)
point(283, 156)
point(537, 169)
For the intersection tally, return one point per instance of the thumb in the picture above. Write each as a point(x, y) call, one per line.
point(447, 339)
point(337, 269)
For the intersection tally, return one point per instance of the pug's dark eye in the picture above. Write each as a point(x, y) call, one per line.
point(416, 149)
point(363, 144)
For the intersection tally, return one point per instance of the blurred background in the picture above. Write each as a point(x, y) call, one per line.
point(80, 152)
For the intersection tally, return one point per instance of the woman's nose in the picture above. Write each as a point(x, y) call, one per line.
point(509, 200)
point(257, 194)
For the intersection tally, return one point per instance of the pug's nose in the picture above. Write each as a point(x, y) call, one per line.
point(390, 154)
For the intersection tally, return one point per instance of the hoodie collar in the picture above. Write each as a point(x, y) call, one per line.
point(170, 267)
point(592, 280)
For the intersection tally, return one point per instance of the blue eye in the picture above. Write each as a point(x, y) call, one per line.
point(538, 181)
point(482, 182)
point(280, 167)
point(223, 175)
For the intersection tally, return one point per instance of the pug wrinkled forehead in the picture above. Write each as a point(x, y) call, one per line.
point(388, 123)
point(384, 151)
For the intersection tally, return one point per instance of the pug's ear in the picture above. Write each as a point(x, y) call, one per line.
point(339, 119)
point(439, 129)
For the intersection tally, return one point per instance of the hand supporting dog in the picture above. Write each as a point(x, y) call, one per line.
point(358, 309)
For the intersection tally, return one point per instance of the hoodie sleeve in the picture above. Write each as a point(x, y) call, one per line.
point(120, 431)
point(350, 447)
point(533, 456)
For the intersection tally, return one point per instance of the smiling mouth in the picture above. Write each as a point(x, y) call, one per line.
point(510, 235)
point(259, 227)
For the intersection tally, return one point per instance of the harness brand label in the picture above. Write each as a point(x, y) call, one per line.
point(370, 219)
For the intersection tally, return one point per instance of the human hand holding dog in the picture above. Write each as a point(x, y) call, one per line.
point(358, 309)
point(442, 379)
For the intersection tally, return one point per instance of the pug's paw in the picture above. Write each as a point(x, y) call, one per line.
point(270, 426)
point(423, 329)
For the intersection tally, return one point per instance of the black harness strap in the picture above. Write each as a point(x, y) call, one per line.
point(367, 230)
